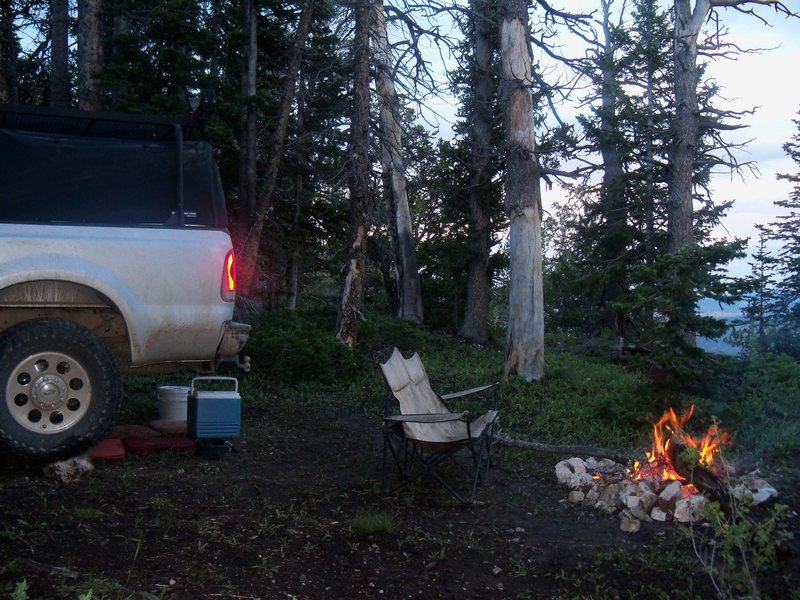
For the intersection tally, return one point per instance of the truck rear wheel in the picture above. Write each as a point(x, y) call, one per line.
point(62, 389)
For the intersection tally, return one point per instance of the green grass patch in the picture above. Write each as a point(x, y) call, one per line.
point(372, 523)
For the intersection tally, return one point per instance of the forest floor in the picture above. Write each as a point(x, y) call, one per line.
point(279, 518)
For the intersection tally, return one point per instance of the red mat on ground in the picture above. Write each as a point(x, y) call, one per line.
point(141, 445)
point(107, 449)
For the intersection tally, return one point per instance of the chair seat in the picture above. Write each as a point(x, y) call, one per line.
point(449, 432)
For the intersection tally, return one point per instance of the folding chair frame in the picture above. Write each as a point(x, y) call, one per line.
point(414, 460)
point(410, 459)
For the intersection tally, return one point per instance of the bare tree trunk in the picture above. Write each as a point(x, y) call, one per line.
point(248, 189)
point(8, 53)
point(297, 236)
point(352, 294)
point(650, 182)
point(523, 199)
point(408, 286)
point(59, 53)
point(90, 55)
point(612, 193)
point(475, 327)
point(249, 256)
point(685, 123)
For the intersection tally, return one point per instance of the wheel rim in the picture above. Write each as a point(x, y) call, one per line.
point(48, 392)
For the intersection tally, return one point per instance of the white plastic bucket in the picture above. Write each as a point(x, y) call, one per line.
point(172, 402)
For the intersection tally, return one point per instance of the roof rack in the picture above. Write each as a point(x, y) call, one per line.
point(82, 123)
point(89, 124)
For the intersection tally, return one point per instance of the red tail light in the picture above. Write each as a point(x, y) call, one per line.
point(228, 289)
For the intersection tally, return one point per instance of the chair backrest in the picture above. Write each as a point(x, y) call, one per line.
point(409, 383)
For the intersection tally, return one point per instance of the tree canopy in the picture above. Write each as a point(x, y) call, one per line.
point(338, 187)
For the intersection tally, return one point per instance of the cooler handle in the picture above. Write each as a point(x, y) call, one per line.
point(215, 378)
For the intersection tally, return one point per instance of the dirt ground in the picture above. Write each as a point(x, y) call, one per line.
point(275, 520)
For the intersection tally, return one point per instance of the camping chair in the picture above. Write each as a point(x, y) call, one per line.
point(427, 433)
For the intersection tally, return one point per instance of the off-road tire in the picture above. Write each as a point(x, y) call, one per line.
point(61, 389)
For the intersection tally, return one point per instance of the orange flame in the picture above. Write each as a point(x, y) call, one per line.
point(670, 426)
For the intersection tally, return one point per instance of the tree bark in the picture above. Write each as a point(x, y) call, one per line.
point(252, 244)
point(59, 53)
point(352, 294)
point(523, 200)
point(409, 303)
point(8, 53)
point(295, 269)
point(475, 327)
point(612, 192)
point(685, 123)
point(248, 190)
point(90, 55)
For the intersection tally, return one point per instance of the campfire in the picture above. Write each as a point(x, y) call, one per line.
point(675, 453)
point(674, 481)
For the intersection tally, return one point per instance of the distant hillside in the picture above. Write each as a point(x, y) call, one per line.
point(728, 312)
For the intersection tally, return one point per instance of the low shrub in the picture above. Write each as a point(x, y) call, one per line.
point(296, 346)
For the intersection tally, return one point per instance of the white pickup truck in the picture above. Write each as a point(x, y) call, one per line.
point(114, 257)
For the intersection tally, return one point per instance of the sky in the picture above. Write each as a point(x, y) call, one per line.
point(767, 81)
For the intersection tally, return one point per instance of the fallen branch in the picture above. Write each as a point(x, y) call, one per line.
point(568, 449)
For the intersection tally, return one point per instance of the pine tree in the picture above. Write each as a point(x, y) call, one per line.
point(786, 231)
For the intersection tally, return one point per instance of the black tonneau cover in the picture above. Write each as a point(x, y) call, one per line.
point(75, 167)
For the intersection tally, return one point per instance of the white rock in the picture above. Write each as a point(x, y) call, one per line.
point(609, 501)
point(72, 469)
point(648, 500)
point(628, 524)
point(644, 486)
point(577, 464)
point(579, 480)
point(576, 496)
point(670, 495)
point(563, 471)
point(762, 491)
point(658, 514)
point(639, 513)
point(689, 510)
point(632, 501)
point(592, 496)
point(683, 511)
point(591, 462)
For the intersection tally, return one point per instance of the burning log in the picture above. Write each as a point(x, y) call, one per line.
point(703, 479)
point(696, 474)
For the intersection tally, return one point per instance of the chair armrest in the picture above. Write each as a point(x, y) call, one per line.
point(469, 391)
point(426, 418)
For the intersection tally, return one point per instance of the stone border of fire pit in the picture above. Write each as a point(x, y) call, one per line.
point(606, 486)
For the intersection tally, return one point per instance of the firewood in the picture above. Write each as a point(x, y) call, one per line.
point(702, 478)
point(568, 449)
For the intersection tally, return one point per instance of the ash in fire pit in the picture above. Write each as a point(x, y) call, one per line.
point(667, 485)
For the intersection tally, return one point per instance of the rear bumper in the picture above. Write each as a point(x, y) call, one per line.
point(234, 337)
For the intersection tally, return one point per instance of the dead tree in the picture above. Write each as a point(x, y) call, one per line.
point(475, 326)
point(523, 200)
point(689, 20)
point(352, 291)
point(409, 305)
